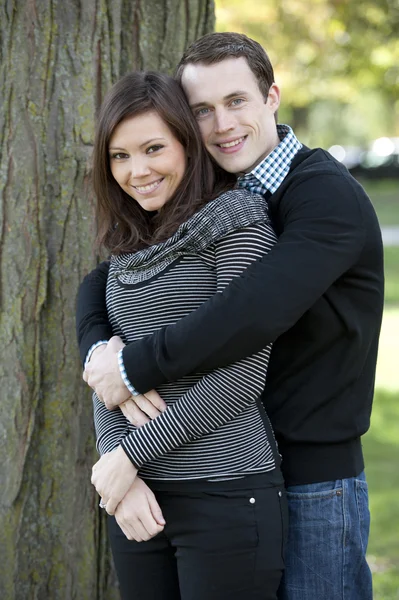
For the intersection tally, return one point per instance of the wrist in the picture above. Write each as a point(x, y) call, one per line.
point(124, 376)
point(129, 457)
point(96, 348)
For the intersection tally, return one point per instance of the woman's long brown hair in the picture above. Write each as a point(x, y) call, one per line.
point(123, 226)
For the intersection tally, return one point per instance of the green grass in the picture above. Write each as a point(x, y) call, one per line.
point(381, 448)
point(391, 262)
point(381, 443)
point(384, 195)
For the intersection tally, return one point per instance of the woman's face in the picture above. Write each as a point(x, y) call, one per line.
point(146, 160)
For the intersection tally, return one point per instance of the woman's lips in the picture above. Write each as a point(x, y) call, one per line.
point(149, 188)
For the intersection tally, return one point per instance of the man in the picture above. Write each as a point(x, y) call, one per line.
point(318, 295)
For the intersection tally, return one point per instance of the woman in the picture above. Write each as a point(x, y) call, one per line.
point(176, 238)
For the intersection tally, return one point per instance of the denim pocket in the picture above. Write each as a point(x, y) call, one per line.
point(315, 542)
point(325, 489)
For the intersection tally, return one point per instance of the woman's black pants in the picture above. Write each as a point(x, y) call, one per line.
point(215, 546)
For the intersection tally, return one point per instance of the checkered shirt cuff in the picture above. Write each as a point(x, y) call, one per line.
point(92, 348)
point(126, 381)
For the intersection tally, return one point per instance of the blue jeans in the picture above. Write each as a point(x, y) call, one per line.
point(327, 542)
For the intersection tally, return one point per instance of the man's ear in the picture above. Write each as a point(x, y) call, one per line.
point(273, 98)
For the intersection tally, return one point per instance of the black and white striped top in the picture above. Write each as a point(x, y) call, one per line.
point(215, 425)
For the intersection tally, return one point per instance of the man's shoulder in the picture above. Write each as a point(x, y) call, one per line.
point(315, 167)
point(316, 160)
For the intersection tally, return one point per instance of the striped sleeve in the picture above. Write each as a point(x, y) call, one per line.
point(111, 426)
point(223, 393)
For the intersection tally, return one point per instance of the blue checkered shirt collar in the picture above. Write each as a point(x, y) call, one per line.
point(269, 174)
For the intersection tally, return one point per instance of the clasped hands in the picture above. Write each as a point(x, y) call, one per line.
point(126, 496)
point(103, 376)
point(114, 476)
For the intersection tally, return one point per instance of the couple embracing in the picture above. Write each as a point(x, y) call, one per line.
point(230, 340)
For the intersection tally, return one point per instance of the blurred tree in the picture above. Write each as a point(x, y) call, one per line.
point(331, 52)
point(57, 59)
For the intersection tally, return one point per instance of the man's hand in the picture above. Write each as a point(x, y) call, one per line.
point(141, 409)
point(112, 476)
point(138, 514)
point(103, 375)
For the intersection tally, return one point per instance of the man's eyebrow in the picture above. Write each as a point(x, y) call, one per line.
point(234, 94)
point(228, 97)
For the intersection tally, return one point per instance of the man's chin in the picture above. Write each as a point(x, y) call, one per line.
point(234, 166)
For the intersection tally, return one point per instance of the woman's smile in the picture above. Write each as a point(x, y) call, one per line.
point(146, 160)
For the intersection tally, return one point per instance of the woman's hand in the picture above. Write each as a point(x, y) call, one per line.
point(141, 409)
point(138, 514)
point(112, 476)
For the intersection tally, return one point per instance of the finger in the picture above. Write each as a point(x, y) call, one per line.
point(129, 531)
point(133, 413)
point(111, 506)
point(148, 521)
point(156, 400)
point(150, 527)
point(155, 509)
point(141, 532)
point(130, 525)
point(146, 406)
point(93, 476)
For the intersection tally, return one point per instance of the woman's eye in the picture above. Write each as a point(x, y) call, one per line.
point(119, 155)
point(153, 149)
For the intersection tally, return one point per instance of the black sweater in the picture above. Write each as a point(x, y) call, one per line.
point(319, 291)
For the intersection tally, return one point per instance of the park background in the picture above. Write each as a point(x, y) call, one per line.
point(337, 62)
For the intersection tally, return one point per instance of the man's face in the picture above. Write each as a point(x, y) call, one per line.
point(237, 123)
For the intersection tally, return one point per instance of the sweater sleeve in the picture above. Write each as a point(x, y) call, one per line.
point(111, 426)
point(92, 324)
point(323, 235)
point(224, 393)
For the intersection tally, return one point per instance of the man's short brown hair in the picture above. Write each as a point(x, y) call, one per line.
point(215, 47)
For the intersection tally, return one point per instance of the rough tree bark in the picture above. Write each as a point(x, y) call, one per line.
point(57, 59)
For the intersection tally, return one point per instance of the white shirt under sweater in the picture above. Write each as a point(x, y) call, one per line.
point(215, 425)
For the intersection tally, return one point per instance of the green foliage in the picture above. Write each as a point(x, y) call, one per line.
point(325, 48)
point(335, 54)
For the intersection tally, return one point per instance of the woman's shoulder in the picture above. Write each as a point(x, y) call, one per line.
point(239, 207)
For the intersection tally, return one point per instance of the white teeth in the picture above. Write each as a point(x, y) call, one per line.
point(231, 144)
point(149, 187)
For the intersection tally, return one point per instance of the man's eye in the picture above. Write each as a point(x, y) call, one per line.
point(154, 148)
point(202, 112)
point(237, 101)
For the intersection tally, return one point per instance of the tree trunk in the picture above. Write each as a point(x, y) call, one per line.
point(57, 58)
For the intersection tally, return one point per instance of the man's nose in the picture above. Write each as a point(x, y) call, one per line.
point(224, 121)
